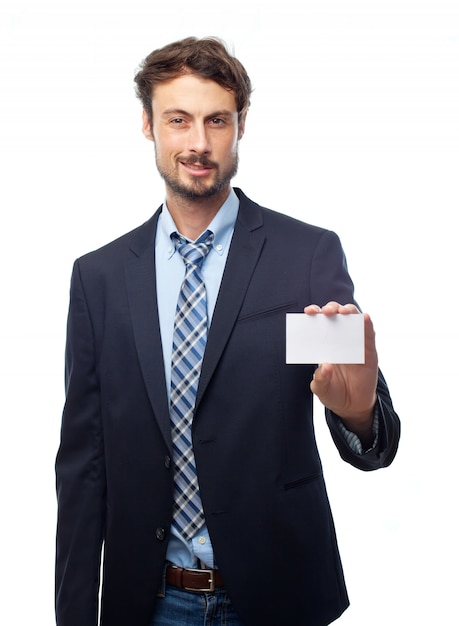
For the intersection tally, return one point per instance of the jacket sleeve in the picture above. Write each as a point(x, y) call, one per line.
point(330, 280)
point(383, 453)
point(80, 475)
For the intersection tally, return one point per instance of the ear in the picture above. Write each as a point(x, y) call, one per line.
point(146, 126)
point(242, 125)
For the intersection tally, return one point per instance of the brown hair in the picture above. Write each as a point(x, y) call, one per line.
point(208, 58)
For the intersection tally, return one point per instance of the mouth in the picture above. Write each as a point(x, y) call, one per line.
point(197, 167)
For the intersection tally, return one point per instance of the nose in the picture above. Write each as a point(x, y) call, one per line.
point(198, 139)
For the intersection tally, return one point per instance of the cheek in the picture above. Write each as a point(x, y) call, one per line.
point(165, 141)
point(165, 149)
point(231, 145)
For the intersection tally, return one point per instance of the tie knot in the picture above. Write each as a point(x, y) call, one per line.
point(194, 253)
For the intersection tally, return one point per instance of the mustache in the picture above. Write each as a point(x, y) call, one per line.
point(198, 160)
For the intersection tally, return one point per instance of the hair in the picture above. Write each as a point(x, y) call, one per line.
point(208, 57)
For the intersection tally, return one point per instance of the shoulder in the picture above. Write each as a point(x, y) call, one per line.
point(277, 224)
point(127, 246)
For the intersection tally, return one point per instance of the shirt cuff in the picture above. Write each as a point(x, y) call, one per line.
point(353, 440)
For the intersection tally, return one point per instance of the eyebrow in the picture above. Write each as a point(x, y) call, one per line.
point(220, 113)
point(174, 112)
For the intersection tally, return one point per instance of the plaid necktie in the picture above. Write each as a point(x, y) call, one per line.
point(189, 342)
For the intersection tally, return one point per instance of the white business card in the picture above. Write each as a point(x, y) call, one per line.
point(322, 338)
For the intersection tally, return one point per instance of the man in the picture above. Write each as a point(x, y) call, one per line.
point(187, 445)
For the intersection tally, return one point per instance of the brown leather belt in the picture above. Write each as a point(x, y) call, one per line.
point(198, 580)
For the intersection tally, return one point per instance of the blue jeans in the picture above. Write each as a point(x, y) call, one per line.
point(185, 608)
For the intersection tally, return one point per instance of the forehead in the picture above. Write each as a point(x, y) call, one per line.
point(192, 93)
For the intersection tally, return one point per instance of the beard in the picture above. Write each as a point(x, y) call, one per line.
point(198, 189)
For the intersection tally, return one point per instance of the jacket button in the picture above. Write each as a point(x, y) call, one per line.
point(160, 534)
point(167, 462)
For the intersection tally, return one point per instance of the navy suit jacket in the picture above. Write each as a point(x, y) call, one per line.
point(259, 470)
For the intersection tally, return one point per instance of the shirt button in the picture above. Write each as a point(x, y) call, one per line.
point(202, 540)
point(219, 247)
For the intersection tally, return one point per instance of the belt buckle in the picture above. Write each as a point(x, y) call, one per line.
point(211, 586)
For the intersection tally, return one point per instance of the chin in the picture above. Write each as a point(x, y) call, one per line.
point(198, 189)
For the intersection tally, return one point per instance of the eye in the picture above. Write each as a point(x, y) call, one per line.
point(217, 121)
point(177, 120)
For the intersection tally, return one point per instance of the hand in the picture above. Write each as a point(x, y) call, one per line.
point(349, 390)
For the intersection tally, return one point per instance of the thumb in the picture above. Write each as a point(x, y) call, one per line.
point(321, 379)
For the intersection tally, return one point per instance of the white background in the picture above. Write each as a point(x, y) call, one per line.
point(354, 126)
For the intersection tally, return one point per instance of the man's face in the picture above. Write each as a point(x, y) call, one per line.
point(196, 133)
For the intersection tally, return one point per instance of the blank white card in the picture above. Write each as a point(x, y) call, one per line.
point(325, 339)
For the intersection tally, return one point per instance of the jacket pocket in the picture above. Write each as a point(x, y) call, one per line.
point(272, 310)
point(302, 481)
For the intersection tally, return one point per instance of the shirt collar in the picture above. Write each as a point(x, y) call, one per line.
point(222, 225)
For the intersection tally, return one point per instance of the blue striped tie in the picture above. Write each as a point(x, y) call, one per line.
point(189, 342)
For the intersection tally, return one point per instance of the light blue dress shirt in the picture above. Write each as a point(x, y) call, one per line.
point(170, 271)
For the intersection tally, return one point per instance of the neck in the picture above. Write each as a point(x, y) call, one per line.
point(192, 217)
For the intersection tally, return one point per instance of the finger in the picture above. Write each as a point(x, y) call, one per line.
point(321, 380)
point(334, 308)
point(371, 355)
point(348, 308)
point(331, 308)
point(312, 309)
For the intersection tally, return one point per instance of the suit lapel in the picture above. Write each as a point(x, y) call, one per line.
point(246, 246)
point(141, 287)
